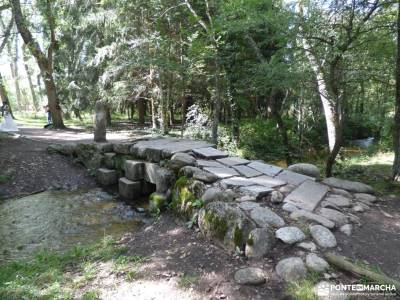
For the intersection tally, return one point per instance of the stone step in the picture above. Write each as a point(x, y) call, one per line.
point(210, 153)
point(266, 169)
point(307, 196)
point(128, 189)
point(233, 161)
point(293, 178)
point(106, 177)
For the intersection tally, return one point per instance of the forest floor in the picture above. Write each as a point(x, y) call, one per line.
point(165, 260)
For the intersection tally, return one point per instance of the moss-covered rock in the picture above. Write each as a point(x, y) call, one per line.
point(183, 198)
point(157, 202)
point(225, 224)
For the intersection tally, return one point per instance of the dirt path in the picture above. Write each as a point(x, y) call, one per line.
point(28, 168)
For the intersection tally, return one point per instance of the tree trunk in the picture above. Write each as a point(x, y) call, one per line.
point(217, 106)
point(31, 86)
point(396, 142)
point(141, 110)
point(15, 73)
point(4, 97)
point(44, 62)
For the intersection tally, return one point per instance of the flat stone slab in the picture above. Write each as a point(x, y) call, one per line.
point(268, 181)
point(208, 163)
point(338, 200)
point(233, 161)
point(223, 172)
point(257, 191)
point(236, 182)
point(293, 178)
point(307, 196)
point(183, 146)
point(246, 171)
point(303, 214)
point(351, 186)
point(266, 169)
point(210, 153)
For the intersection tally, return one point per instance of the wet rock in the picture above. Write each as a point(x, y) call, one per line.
point(306, 215)
point(305, 169)
point(291, 269)
point(323, 236)
point(198, 174)
point(347, 229)
point(351, 186)
point(180, 160)
point(225, 224)
point(250, 276)
point(276, 197)
point(106, 177)
point(259, 243)
point(290, 235)
point(134, 170)
point(100, 121)
point(316, 263)
point(265, 217)
point(334, 215)
point(310, 246)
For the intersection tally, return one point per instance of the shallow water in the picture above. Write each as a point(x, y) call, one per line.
point(60, 220)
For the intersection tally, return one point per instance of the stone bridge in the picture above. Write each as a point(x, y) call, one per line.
point(244, 206)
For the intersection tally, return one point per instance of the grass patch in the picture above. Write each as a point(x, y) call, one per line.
point(51, 275)
point(186, 281)
point(304, 289)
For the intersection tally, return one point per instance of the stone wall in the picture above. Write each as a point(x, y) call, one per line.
point(244, 206)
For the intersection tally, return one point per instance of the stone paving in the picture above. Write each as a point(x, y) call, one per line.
point(240, 197)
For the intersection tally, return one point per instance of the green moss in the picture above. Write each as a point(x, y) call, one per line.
point(157, 202)
point(215, 224)
point(183, 200)
point(250, 241)
point(238, 236)
point(119, 161)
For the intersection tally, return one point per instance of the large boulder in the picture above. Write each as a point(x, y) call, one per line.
point(351, 186)
point(323, 236)
point(291, 269)
point(305, 169)
point(250, 276)
point(225, 224)
point(264, 217)
point(290, 234)
point(199, 174)
point(180, 160)
point(259, 243)
point(316, 263)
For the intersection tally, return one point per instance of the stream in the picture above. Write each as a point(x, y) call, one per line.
point(60, 220)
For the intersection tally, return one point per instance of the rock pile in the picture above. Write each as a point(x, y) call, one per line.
point(244, 206)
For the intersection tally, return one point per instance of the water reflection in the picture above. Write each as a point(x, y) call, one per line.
point(59, 220)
